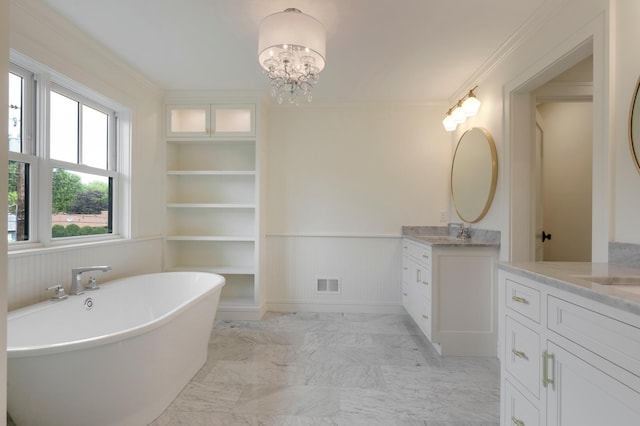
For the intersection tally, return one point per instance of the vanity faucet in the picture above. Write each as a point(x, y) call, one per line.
point(76, 277)
point(464, 232)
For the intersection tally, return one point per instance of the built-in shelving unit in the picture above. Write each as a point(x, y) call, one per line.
point(212, 199)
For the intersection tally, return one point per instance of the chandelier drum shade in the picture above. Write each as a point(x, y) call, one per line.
point(291, 50)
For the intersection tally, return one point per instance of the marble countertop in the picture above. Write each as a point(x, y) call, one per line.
point(573, 277)
point(443, 240)
point(440, 236)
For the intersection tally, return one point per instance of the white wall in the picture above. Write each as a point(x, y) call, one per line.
point(47, 38)
point(356, 170)
point(4, 95)
point(626, 33)
point(343, 180)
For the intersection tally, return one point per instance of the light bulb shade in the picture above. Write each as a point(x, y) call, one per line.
point(470, 106)
point(449, 123)
point(288, 30)
point(458, 114)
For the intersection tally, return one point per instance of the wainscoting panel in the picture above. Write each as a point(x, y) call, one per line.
point(30, 273)
point(367, 270)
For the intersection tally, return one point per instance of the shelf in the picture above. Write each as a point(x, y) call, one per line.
point(211, 198)
point(237, 156)
point(211, 172)
point(210, 206)
point(208, 238)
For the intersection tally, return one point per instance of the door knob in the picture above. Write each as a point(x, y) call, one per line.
point(545, 236)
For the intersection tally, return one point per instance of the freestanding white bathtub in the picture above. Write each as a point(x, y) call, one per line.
point(115, 356)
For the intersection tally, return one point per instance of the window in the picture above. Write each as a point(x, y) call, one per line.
point(63, 165)
point(21, 83)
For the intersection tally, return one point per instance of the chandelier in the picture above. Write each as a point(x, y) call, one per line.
point(291, 51)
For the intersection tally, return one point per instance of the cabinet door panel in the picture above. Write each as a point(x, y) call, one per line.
point(522, 355)
point(518, 410)
point(584, 395)
point(188, 120)
point(523, 299)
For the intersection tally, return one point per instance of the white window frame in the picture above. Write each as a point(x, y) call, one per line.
point(41, 169)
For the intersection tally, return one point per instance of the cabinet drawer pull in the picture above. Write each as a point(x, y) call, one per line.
point(520, 299)
point(425, 317)
point(418, 275)
point(516, 422)
point(425, 283)
point(519, 354)
point(425, 256)
point(546, 381)
point(405, 268)
point(405, 294)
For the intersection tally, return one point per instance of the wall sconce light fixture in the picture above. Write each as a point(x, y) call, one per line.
point(467, 106)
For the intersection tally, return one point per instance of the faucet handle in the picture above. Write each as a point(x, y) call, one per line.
point(58, 292)
point(91, 284)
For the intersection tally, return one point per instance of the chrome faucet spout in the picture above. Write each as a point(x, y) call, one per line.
point(76, 277)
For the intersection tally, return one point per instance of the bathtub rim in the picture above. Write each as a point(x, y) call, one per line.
point(104, 339)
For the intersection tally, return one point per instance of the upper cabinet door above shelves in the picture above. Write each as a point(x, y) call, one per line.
point(210, 121)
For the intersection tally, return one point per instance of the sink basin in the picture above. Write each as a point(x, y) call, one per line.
point(611, 280)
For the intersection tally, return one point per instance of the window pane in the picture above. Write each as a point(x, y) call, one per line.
point(94, 137)
point(15, 112)
point(18, 225)
point(81, 204)
point(63, 128)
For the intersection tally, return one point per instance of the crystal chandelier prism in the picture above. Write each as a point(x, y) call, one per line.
point(291, 51)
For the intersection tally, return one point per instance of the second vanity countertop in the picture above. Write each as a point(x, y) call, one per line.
point(574, 277)
point(440, 236)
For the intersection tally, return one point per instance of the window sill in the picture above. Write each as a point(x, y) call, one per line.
point(30, 249)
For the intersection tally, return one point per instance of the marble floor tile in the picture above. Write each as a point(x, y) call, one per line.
point(206, 397)
point(334, 369)
point(251, 373)
point(322, 339)
point(308, 401)
point(339, 374)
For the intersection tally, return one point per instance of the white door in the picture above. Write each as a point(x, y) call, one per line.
point(566, 181)
point(583, 394)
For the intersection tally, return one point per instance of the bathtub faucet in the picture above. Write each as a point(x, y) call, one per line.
point(76, 277)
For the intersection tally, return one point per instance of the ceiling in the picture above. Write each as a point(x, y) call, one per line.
point(377, 50)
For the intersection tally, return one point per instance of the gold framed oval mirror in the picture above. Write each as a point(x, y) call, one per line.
point(634, 127)
point(474, 174)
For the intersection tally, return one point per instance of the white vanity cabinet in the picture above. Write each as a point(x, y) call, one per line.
point(416, 283)
point(213, 220)
point(566, 360)
point(450, 291)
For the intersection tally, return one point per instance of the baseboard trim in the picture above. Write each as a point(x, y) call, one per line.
point(240, 313)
